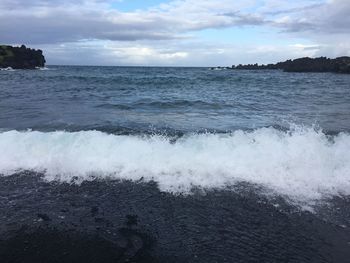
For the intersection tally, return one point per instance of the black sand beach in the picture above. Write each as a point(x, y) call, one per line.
point(110, 221)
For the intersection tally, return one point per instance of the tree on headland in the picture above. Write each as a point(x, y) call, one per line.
point(21, 57)
point(321, 64)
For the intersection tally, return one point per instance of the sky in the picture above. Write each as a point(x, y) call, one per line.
point(177, 32)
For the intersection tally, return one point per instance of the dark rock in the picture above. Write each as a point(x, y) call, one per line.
point(44, 217)
point(21, 57)
point(321, 64)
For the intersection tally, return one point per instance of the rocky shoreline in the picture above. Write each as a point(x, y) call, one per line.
point(21, 57)
point(321, 64)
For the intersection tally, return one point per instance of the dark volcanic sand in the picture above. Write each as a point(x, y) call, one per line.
point(109, 221)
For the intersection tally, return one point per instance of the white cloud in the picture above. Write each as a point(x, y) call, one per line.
point(190, 53)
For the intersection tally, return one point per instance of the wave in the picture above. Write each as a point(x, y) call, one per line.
point(7, 69)
point(44, 68)
point(11, 69)
point(303, 164)
point(166, 104)
point(180, 103)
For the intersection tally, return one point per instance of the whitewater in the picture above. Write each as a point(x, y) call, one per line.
point(304, 164)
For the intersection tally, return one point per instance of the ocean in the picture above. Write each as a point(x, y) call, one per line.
point(154, 164)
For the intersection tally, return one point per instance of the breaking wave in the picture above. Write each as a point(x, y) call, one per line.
point(303, 164)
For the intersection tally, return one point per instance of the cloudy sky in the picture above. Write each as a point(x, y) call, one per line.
point(177, 32)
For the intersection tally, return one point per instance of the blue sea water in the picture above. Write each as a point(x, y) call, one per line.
point(142, 99)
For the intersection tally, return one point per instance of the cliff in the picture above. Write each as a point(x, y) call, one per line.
point(321, 64)
point(21, 57)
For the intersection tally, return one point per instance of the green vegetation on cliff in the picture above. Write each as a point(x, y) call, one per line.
point(321, 64)
point(21, 57)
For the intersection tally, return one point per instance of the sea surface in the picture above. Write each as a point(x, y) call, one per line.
point(142, 164)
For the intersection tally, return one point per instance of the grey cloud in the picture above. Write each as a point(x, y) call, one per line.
point(246, 19)
point(60, 26)
point(21, 4)
point(328, 18)
point(312, 48)
point(296, 26)
point(293, 10)
point(58, 21)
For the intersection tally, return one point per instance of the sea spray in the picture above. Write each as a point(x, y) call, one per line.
point(303, 164)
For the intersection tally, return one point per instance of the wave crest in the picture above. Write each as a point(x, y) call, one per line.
point(303, 164)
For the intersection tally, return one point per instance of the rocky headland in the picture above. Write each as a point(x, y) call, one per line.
point(21, 57)
point(321, 64)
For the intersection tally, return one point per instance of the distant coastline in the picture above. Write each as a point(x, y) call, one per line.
point(21, 57)
point(306, 64)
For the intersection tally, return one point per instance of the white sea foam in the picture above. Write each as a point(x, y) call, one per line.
point(43, 68)
point(304, 164)
point(7, 69)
